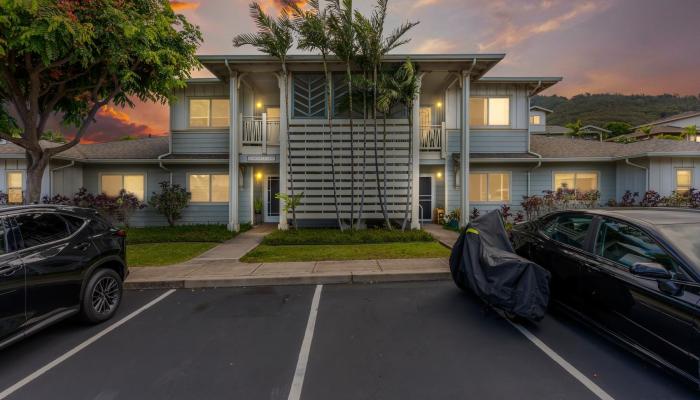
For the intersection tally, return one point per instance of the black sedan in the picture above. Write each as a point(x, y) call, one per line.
point(56, 262)
point(632, 273)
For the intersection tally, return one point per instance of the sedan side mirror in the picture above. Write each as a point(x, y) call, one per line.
point(650, 270)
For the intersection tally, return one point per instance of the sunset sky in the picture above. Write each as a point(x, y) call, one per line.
point(621, 46)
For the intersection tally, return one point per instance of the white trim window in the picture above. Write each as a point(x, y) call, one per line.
point(684, 180)
point(489, 187)
point(112, 183)
point(208, 188)
point(535, 119)
point(209, 113)
point(583, 181)
point(15, 187)
point(489, 111)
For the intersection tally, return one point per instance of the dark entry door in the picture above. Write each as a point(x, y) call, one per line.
point(425, 197)
point(273, 204)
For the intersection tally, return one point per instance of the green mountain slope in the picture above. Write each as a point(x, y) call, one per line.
point(600, 109)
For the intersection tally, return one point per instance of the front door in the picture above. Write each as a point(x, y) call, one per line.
point(425, 198)
point(12, 287)
point(272, 204)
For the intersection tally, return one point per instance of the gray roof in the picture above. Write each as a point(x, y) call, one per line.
point(687, 114)
point(570, 148)
point(547, 110)
point(139, 149)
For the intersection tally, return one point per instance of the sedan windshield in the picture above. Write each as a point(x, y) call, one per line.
point(686, 239)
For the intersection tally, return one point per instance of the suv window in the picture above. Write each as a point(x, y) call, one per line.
point(625, 244)
point(568, 229)
point(3, 239)
point(40, 228)
point(74, 223)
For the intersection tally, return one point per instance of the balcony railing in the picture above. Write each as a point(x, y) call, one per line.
point(432, 139)
point(260, 131)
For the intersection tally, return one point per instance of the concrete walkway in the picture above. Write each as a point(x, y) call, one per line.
point(442, 235)
point(220, 267)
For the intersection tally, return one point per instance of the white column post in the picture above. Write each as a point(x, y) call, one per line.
point(264, 133)
point(464, 149)
point(234, 134)
point(283, 82)
point(415, 150)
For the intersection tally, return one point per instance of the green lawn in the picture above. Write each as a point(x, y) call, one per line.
point(335, 236)
point(158, 254)
point(165, 245)
point(267, 253)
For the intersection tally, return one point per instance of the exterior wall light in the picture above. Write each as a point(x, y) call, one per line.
point(439, 104)
point(439, 175)
point(258, 104)
point(258, 176)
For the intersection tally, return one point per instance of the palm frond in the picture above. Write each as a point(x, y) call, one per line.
point(395, 40)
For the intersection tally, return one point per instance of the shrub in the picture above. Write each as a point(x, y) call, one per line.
point(590, 198)
point(57, 199)
point(124, 206)
point(474, 214)
point(651, 198)
point(170, 202)
point(628, 199)
point(532, 205)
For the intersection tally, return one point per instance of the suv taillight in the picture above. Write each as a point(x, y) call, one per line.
point(121, 233)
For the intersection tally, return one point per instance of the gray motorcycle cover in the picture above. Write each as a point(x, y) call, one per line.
point(483, 260)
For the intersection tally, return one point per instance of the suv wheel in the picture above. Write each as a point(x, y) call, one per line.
point(103, 294)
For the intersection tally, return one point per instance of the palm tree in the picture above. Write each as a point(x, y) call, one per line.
point(374, 46)
point(402, 87)
point(312, 27)
point(274, 37)
point(574, 128)
point(342, 35)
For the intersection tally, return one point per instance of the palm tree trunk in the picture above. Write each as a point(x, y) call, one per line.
point(352, 151)
point(376, 150)
point(329, 91)
point(409, 187)
point(364, 153)
point(290, 176)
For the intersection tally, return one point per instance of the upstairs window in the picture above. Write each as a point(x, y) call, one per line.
point(489, 111)
point(684, 180)
point(209, 113)
point(581, 181)
point(15, 187)
point(208, 188)
point(112, 184)
point(487, 187)
point(535, 120)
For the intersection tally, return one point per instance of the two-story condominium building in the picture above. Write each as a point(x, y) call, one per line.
point(247, 134)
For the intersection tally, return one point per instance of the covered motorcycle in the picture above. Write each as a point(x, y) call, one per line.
point(483, 261)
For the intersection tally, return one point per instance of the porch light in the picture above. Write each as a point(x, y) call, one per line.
point(439, 175)
point(258, 176)
point(258, 104)
point(439, 104)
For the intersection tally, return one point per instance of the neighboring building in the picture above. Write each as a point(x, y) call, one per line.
point(672, 125)
point(242, 112)
point(538, 119)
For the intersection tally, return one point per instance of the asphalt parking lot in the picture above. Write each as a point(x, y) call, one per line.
point(384, 341)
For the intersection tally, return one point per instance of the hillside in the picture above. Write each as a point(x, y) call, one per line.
point(600, 109)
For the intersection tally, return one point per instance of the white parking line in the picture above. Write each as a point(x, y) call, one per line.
point(300, 372)
point(29, 378)
point(602, 394)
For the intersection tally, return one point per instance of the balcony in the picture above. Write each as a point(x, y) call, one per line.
point(433, 139)
point(259, 132)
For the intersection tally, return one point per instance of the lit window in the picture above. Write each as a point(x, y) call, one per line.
point(484, 187)
point(535, 120)
point(684, 180)
point(112, 184)
point(209, 113)
point(581, 181)
point(489, 111)
point(209, 188)
point(15, 187)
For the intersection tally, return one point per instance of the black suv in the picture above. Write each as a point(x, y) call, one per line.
point(55, 262)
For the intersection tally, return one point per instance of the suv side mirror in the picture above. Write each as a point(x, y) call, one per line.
point(650, 270)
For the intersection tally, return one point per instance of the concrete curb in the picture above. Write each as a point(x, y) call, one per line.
point(280, 280)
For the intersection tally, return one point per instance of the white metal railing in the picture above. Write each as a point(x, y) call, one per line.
point(432, 138)
point(259, 131)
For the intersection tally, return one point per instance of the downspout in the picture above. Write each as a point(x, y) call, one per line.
point(646, 172)
point(529, 133)
point(72, 163)
point(160, 164)
point(529, 172)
